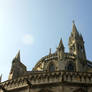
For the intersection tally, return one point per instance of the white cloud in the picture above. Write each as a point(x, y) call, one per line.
point(28, 39)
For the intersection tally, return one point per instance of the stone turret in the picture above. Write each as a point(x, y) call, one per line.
point(76, 44)
point(76, 47)
point(17, 69)
point(60, 50)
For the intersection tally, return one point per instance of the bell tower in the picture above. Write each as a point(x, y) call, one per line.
point(76, 44)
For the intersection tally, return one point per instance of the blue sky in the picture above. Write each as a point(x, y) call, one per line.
point(34, 26)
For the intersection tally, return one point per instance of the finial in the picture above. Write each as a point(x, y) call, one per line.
point(73, 22)
point(61, 44)
point(74, 29)
point(50, 51)
point(61, 40)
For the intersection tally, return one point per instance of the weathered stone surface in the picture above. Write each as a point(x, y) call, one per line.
point(56, 72)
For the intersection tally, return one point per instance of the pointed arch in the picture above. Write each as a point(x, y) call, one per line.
point(70, 66)
point(51, 67)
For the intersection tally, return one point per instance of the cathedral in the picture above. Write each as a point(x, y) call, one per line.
point(57, 72)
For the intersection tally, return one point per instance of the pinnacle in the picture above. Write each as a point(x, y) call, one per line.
point(74, 29)
point(18, 55)
point(61, 44)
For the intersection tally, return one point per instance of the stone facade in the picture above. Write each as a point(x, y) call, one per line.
point(56, 72)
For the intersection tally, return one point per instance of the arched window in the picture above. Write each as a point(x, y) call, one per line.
point(51, 67)
point(70, 67)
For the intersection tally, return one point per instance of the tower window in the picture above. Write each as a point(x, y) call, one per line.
point(70, 67)
point(51, 67)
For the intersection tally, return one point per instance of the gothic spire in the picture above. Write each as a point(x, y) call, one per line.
point(74, 29)
point(61, 46)
point(18, 56)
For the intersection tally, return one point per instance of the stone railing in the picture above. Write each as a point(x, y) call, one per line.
point(39, 78)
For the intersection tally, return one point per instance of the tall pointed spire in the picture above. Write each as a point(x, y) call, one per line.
point(18, 55)
point(74, 29)
point(76, 43)
point(61, 44)
point(60, 50)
